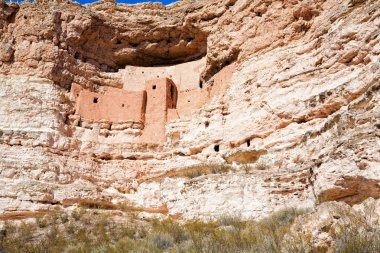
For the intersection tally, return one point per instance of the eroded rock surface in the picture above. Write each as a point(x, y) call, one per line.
point(289, 87)
point(333, 225)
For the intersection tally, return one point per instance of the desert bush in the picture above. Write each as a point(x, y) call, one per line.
point(261, 166)
point(78, 213)
point(230, 220)
point(89, 231)
point(192, 172)
point(356, 239)
point(199, 170)
point(161, 241)
point(247, 168)
point(348, 233)
point(172, 228)
point(352, 242)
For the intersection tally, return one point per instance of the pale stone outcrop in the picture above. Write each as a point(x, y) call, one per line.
point(292, 86)
point(333, 225)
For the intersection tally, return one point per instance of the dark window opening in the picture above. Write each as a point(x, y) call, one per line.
point(96, 100)
point(259, 14)
point(248, 143)
point(122, 105)
point(154, 87)
point(67, 120)
point(77, 55)
point(201, 84)
point(119, 42)
point(172, 92)
point(216, 148)
point(207, 124)
point(25, 17)
point(188, 101)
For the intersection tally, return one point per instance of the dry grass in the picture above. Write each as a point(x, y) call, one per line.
point(258, 166)
point(192, 172)
point(357, 237)
point(90, 231)
point(262, 166)
point(108, 205)
point(21, 215)
point(199, 170)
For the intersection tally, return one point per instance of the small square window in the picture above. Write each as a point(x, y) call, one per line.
point(96, 100)
point(154, 87)
point(123, 105)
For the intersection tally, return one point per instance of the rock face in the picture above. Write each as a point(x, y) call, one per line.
point(288, 88)
point(334, 225)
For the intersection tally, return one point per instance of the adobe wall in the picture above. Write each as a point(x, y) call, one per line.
point(158, 102)
point(185, 75)
point(191, 93)
point(161, 97)
point(195, 97)
point(221, 80)
point(114, 105)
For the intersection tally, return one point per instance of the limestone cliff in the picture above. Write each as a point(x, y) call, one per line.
point(285, 93)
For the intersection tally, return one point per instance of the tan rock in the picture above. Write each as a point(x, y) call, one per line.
point(293, 84)
point(320, 231)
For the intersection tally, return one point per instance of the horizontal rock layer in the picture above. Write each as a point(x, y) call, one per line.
point(302, 106)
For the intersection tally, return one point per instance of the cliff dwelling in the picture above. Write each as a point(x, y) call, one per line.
point(191, 111)
point(149, 99)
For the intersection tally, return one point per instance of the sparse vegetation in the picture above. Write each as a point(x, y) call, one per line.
point(357, 238)
point(247, 168)
point(350, 241)
point(252, 167)
point(93, 231)
point(194, 171)
point(261, 166)
point(202, 169)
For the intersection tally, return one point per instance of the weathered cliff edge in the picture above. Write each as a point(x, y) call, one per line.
point(301, 103)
